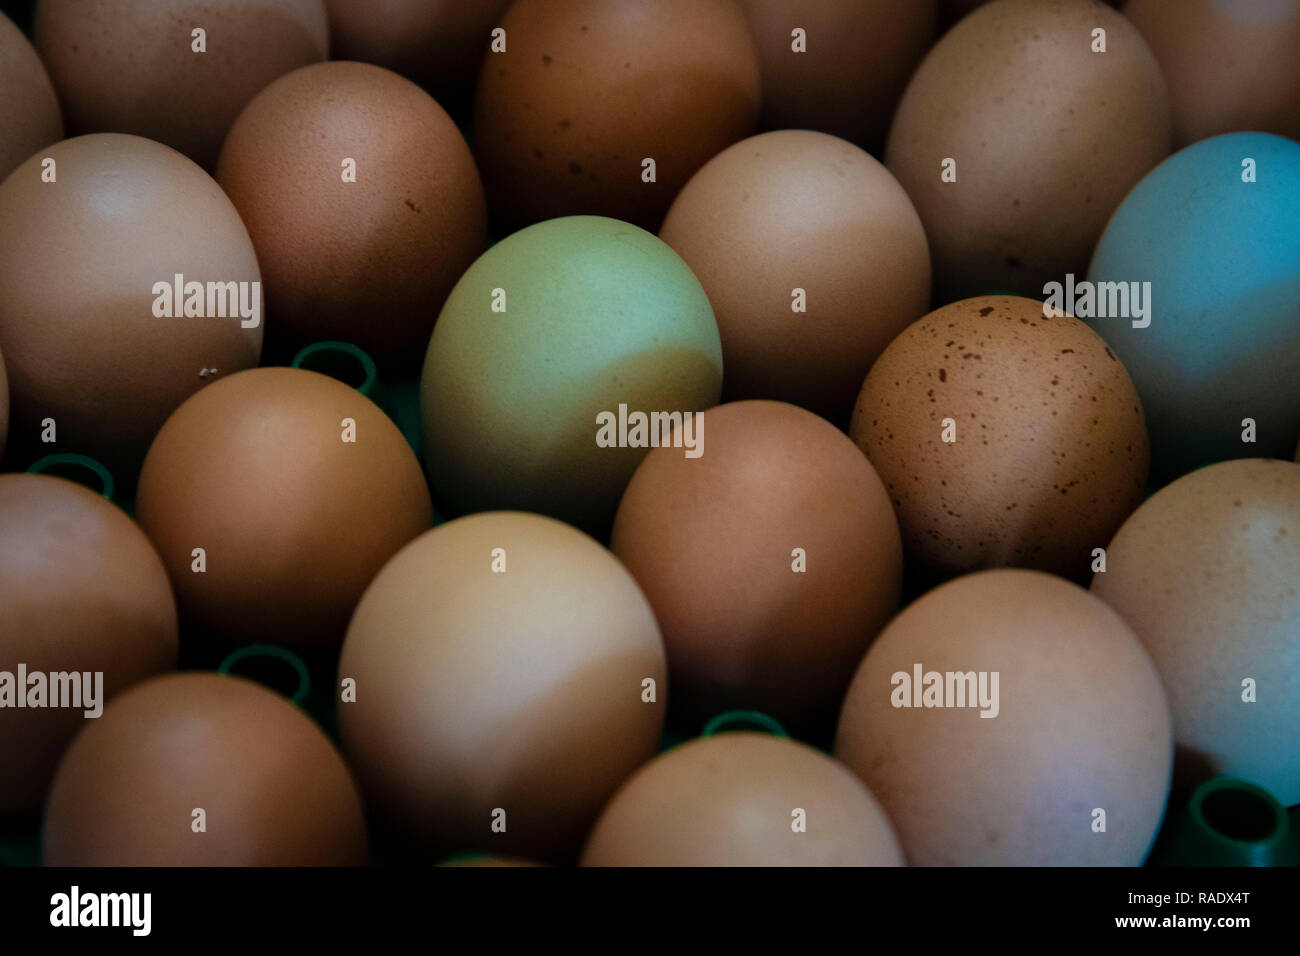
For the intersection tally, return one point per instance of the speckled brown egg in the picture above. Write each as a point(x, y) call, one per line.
point(29, 110)
point(297, 489)
point(271, 787)
point(587, 90)
point(1049, 452)
point(363, 203)
point(1045, 137)
point(131, 66)
point(82, 592)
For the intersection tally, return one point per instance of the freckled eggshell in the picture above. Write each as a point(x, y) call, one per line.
point(597, 313)
point(858, 56)
point(29, 110)
point(81, 589)
point(710, 541)
point(1047, 137)
point(294, 520)
point(1207, 573)
point(1223, 259)
point(274, 790)
point(588, 89)
point(729, 800)
point(1229, 64)
point(371, 261)
point(850, 239)
point(78, 261)
point(519, 690)
point(128, 66)
point(1051, 447)
point(1082, 723)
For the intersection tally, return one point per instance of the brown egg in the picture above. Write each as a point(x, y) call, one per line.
point(587, 90)
point(1009, 718)
point(742, 799)
point(82, 593)
point(508, 676)
point(801, 321)
point(297, 488)
point(846, 71)
point(29, 110)
point(362, 201)
point(1207, 573)
point(134, 66)
point(272, 788)
point(1040, 137)
point(1004, 438)
point(771, 560)
point(79, 262)
point(1230, 64)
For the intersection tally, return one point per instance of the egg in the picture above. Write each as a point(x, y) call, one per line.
point(607, 107)
point(845, 68)
point(84, 594)
point(274, 496)
point(771, 560)
point(1016, 141)
point(362, 201)
point(552, 338)
point(29, 111)
point(508, 675)
point(1003, 437)
point(177, 71)
point(1209, 239)
point(742, 799)
point(1229, 64)
point(203, 769)
point(115, 295)
point(1010, 718)
point(1206, 573)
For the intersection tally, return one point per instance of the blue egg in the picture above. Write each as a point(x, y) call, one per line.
point(1215, 230)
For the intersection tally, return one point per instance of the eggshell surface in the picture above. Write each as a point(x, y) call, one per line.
point(29, 111)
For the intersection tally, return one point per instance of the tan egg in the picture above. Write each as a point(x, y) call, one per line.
point(272, 788)
point(801, 320)
point(1016, 141)
point(1004, 438)
point(94, 332)
point(771, 560)
point(29, 110)
point(588, 92)
point(509, 676)
point(134, 66)
point(362, 201)
point(845, 72)
point(1207, 573)
point(742, 799)
point(1003, 719)
point(1229, 64)
point(83, 593)
point(297, 489)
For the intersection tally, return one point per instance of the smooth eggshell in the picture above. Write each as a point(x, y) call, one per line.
point(1207, 573)
point(294, 520)
point(1082, 724)
point(82, 590)
point(800, 210)
point(519, 690)
point(79, 258)
point(274, 790)
point(1051, 447)
point(588, 89)
point(29, 111)
point(128, 66)
point(1047, 137)
point(730, 800)
point(711, 541)
point(368, 262)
